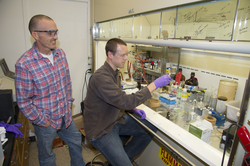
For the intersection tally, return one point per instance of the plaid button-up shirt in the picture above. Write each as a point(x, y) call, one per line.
point(43, 91)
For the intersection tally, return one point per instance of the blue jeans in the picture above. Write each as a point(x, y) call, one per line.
point(71, 136)
point(111, 147)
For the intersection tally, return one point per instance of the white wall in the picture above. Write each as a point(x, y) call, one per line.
point(73, 21)
point(12, 37)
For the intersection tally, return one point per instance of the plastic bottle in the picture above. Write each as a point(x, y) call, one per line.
point(184, 95)
point(175, 90)
point(178, 93)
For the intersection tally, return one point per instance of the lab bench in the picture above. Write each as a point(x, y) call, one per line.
point(194, 149)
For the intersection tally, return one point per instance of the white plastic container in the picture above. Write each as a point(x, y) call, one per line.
point(1, 155)
point(2, 133)
point(233, 107)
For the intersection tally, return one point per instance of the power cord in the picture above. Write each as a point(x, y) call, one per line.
point(226, 141)
point(85, 81)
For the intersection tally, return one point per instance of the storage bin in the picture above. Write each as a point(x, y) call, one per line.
point(233, 107)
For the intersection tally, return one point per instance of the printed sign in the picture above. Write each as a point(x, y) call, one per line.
point(167, 158)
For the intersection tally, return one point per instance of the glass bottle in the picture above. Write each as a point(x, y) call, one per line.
point(192, 80)
point(192, 114)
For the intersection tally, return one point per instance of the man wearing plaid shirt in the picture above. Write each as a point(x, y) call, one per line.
point(43, 91)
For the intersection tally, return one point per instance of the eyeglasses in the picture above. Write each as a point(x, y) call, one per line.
point(122, 55)
point(49, 32)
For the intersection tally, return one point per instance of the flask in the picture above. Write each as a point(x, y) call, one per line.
point(192, 80)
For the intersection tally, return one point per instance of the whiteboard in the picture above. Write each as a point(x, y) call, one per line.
point(168, 23)
point(104, 29)
point(122, 27)
point(242, 31)
point(213, 19)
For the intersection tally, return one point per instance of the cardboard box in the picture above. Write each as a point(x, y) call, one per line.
point(201, 130)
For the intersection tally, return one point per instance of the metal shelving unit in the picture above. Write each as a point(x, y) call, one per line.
point(166, 53)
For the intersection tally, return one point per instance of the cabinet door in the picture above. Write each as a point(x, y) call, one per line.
point(15, 156)
point(26, 151)
point(23, 146)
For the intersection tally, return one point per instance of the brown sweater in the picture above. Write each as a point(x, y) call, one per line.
point(104, 100)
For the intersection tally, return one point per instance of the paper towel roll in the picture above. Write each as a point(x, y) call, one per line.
point(154, 103)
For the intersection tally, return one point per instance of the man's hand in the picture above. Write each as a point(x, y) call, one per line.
point(139, 112)
point(163, 80)
point(47, 123)
point(12, 128)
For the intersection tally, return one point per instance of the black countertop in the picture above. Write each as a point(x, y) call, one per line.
point(8, 146)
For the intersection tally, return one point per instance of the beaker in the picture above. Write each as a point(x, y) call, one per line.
point(162, 111)
point(220, 105)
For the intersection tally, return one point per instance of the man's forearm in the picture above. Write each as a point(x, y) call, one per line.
point(151, 87)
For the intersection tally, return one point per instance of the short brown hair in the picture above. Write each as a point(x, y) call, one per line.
point(112, 45)
point(35, 19)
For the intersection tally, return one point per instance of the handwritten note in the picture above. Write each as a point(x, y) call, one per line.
point(213, 19)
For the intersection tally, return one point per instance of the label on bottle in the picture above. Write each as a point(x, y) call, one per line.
point(184, 97)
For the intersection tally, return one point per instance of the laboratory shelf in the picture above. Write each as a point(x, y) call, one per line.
point(150, 72)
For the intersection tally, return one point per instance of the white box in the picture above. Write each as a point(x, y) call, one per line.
point(233, 107)
point(2, 133)
point(201, 130)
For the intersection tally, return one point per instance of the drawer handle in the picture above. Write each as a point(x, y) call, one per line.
point(14, 152)
point(23, 140)
point(26, 155)
point(15, 163)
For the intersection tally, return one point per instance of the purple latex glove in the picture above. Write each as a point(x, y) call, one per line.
point(139, 112)
point(12, 128)
point(163, 80)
